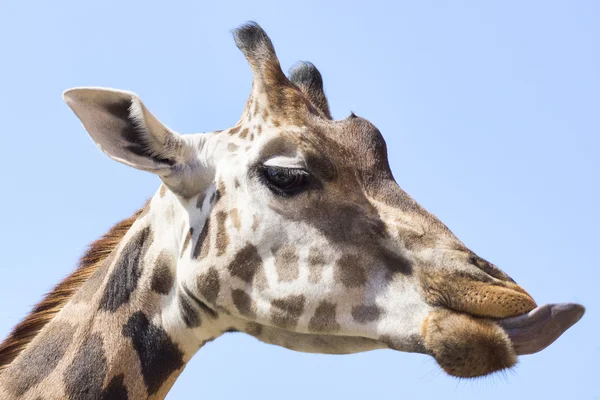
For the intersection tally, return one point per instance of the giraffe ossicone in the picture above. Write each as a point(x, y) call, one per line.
point(289, 227)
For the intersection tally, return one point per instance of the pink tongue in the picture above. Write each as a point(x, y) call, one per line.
point(536, 330)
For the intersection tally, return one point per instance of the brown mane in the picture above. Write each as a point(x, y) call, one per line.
point(52, 303)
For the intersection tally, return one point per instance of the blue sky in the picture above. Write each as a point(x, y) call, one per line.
point(490, 112)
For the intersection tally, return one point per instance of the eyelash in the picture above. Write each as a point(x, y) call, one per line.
point(299, 180)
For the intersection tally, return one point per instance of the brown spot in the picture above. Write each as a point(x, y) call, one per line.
point(316, 263)
point(276, 123)
point(84, 378)
point(159, 357)
point(186, 241)
point(203, 244)
point(259, 129)
point(324, 318)
point(286, 312)
point(115, 390)
point(234, 130)
point(39, 359)
point(244, 303)
point(169, 213)
point(251, 137)
point(200, 200)
point(189, 314)
point(127, 270)
point(244, 133)
point(364, 314)
point(232, 147)
point(162, 191)
point(254, 329)
point(395, 263)
point(222, 239)
point(145, 210)
point(286, 263)
point(235, 218)
point(246, 263)
point(162, 277)
point(221, 190)
point(236, 183)
point(349, 272)
point(255, 222)
point(209, 285)
point(255, 108)
point(265, 114)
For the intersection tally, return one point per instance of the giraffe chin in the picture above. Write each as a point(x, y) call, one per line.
point(467, 346)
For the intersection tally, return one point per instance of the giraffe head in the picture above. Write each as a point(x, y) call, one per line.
point(296, 232)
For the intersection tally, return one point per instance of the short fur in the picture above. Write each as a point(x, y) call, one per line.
point(233, 251)
point(310, 82)
point(465, 346)
point(46, 309)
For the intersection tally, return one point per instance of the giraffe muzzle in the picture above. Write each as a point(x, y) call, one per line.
point(540, 327)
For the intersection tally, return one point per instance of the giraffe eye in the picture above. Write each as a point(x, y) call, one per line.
point(284, 181)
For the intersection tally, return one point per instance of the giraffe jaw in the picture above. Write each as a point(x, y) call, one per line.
point(540, 327)
point(468, 346)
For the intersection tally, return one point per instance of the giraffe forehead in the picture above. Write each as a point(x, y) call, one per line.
point(352, 147)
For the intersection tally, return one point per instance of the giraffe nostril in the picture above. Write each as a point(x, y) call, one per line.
point(489, 268)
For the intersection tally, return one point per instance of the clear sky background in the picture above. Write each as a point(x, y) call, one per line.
point(491, 115)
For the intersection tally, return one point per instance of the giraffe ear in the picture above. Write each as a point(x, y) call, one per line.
point(125, 130)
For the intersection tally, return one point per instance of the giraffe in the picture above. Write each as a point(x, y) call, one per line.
point(289, 227)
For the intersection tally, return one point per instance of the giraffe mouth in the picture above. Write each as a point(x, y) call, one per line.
point(540, 327)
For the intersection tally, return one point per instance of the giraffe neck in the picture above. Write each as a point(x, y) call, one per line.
point(128, 332)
